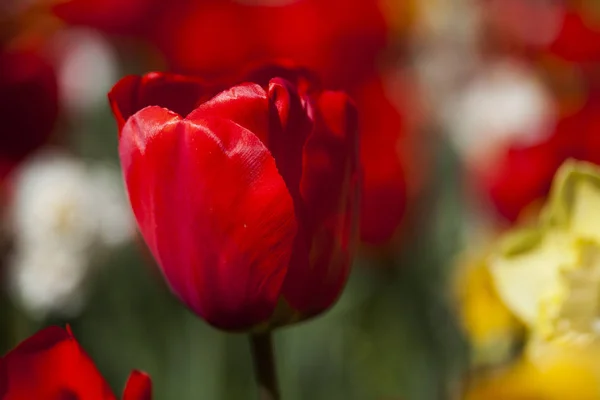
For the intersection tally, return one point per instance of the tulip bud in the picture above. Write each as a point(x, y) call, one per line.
point(246, 197)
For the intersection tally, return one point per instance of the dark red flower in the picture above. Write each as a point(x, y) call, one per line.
point(28, 105)
point(51, 365)
point(247, 198)
point(125, 17)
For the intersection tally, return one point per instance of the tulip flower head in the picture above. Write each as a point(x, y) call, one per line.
point(51, 365)
point(245, 196)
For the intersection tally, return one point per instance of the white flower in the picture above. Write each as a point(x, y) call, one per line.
point(48, 280)
point(87, 68)
point(52, 203)
point(63, 214)
point(504, 105)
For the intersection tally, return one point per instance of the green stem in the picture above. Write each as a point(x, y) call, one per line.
point(264, 366)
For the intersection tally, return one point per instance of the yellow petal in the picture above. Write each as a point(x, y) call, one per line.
point(522, 278)
point(571, 313)
point(574, 201)
point(585, 215)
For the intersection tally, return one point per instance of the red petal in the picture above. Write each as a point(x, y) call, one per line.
point(280, 120)
point(178, 93)
point(138, 387)
point(290, 126)
point(213, 209)
point(305, 80)
point(58, 367)
point(246, 105)
point(330, 193)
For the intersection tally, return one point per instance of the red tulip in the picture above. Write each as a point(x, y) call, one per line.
point(340, 40)
point(28, 105)
point(51, 365)
point(247, 197)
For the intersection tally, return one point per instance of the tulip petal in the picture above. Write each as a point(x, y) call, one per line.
point(290, 127)
point(213, 209)
point(279, 120)
point(244, 104)
point(329, 191)
point(138, 387)
point(54, 361)
point(177, 93)
point(305, 80)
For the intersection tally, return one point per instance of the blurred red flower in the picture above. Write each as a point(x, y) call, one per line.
point(122, 17)
point(522, 176)
point(28, 105)
point(338, 39)
point(384, 187)
point(578, 40)
point(569, 30)
point(52, 365)
point(246, 197)
point(525, 173)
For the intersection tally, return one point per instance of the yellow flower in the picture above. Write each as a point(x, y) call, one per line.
point(492, 329)
point(549, 275)
point(555, 374)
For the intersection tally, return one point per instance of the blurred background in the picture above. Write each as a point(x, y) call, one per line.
point(467, 109)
